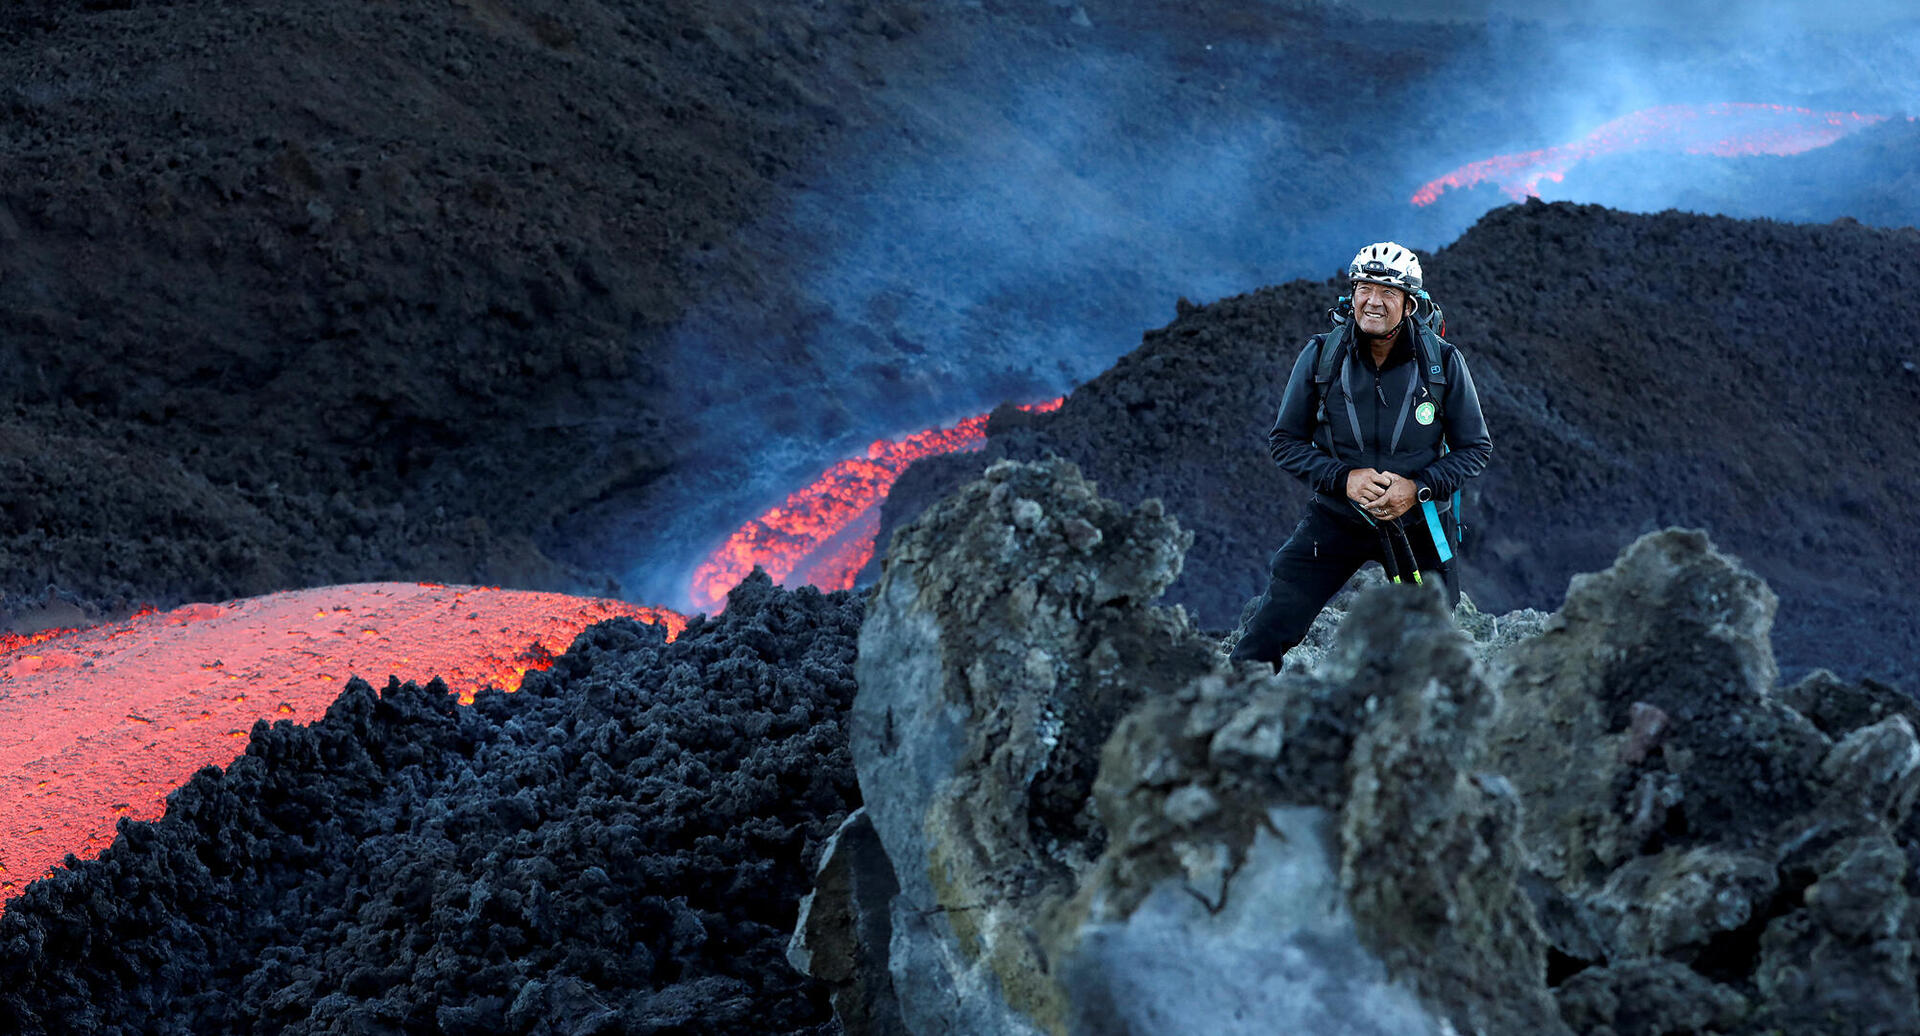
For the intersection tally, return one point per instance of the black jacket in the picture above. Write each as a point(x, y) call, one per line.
point(1369, 419)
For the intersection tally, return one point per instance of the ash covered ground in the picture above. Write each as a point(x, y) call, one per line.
point(306, 294)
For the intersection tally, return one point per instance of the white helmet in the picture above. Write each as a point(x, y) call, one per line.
point(1389, 264)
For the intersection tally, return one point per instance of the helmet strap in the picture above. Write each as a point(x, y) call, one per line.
point(1371, 340)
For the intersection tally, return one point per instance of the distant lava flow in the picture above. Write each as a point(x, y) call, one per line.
point(102, 723)
point(1715, 129)
point(823, 532)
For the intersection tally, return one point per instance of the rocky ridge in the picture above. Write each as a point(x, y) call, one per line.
point(1635, 375)
point(1610, 819)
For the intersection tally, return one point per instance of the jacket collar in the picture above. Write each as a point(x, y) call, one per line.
point(1401, 352)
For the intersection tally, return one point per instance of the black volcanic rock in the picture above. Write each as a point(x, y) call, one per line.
point(273, 274)
point(1752, 378)
point(620, 846)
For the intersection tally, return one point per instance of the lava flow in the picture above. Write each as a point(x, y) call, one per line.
point(823, 532)
point(1728, 130)
point(102, 723)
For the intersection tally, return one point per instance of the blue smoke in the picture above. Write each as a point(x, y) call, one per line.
point(1012, 221)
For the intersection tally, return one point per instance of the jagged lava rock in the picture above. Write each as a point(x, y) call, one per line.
point(619, 846)
point(1012, 662)
point(1704, 858)
point(1607, 820)
point(1005, 639)
point(850, 931)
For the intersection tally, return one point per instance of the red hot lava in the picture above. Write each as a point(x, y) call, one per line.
point(1727, 130)
point(823, 532)
point(102, 723)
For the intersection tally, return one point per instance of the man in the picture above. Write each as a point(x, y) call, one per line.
point(1381, 419)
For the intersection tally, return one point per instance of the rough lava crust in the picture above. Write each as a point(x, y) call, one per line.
point(619, 846)
point(1611, 819)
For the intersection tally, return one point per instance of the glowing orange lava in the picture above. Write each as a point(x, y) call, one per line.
point(815, 532)
point(10, 642)
point(102, 723)
point(1715, 129)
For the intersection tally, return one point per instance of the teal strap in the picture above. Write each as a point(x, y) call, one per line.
point(1433, 520)
point(1440, 545)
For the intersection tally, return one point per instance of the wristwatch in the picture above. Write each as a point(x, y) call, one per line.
point(1424, 494)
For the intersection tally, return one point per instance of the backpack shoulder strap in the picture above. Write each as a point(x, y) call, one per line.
point(1332, 346)
point(1432, 352)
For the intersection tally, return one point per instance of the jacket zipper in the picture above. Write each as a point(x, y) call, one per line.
point(1379, 393)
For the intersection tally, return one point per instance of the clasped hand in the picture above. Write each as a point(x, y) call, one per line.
point(1382, 494)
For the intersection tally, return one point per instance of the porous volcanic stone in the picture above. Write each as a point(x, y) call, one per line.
point(1600, 821)
point(999, 650)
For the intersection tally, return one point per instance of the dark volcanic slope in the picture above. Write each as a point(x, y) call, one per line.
point(302, 292)
point(272, 274)
point(1754, 378)
point(618, 847)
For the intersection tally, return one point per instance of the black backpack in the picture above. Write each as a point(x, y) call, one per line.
point(1430, 349)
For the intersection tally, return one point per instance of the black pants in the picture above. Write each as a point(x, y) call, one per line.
point(1324, 552)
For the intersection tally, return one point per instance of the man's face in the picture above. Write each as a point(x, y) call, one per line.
point(1378, 309)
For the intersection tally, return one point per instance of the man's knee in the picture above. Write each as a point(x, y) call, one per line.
point(1282, 620)
point(1306, 572)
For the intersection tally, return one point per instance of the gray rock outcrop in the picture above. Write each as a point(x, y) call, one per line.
point(1607, 820)
point(844, 926)
point(1008, 637)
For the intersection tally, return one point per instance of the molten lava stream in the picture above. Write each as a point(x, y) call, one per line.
point(1728, 130)
point(815, 535)
point(103, 723)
